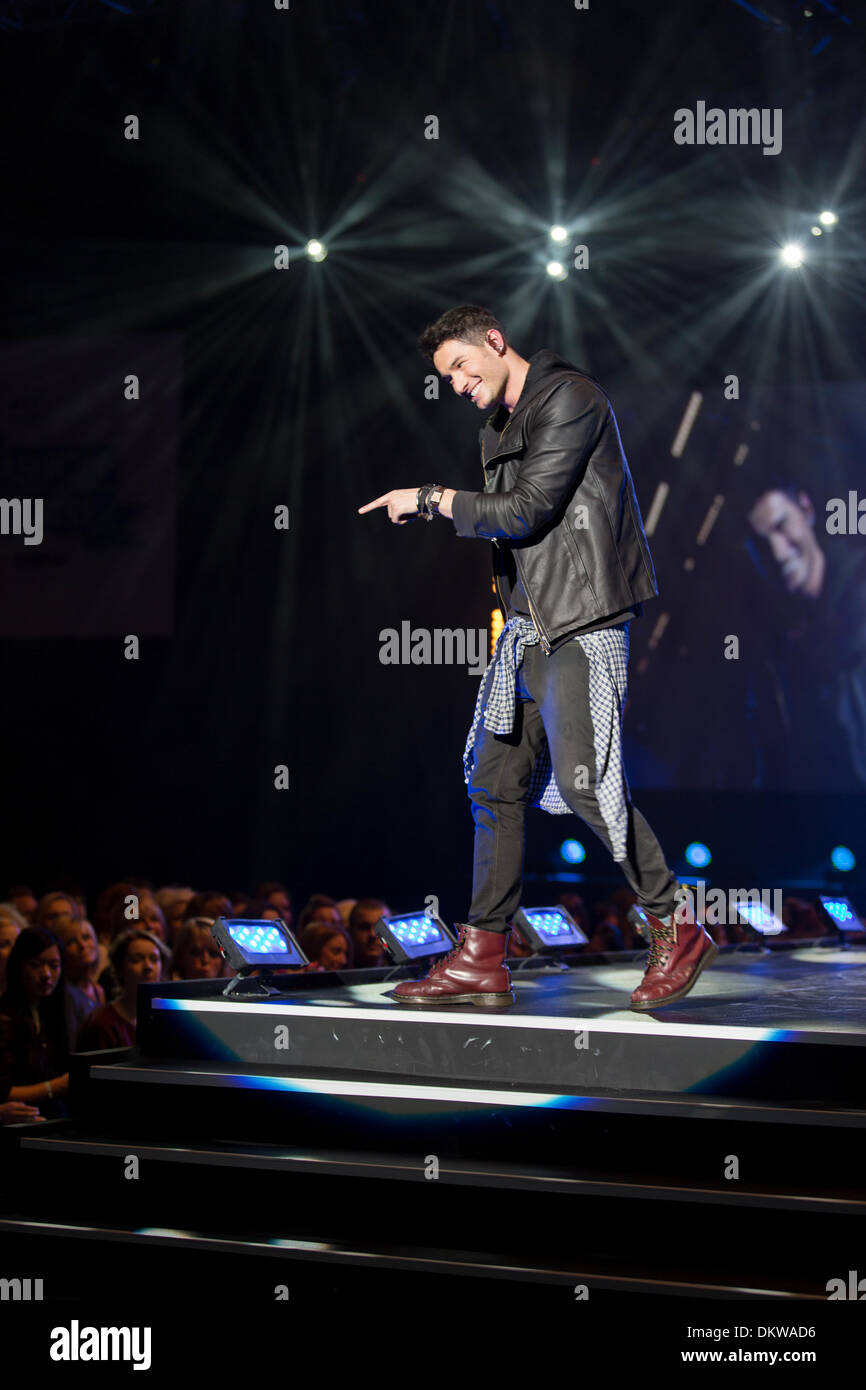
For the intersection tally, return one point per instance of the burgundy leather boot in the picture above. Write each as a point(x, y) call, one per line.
point(472, 972)
point(679, 951)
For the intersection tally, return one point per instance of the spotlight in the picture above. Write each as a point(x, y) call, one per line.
point(548, 928)
point(556, 270)
point(255, 945)
point(792, 255)
point(316, 250)
point(842, 859)
point(559, 234)
point(415, 935)
point(572, 851)
point(697, 855)
point(827, 218)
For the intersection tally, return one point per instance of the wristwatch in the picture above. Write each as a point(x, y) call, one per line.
point(435, 498)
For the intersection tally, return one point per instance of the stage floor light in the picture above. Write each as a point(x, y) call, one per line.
point(414, 936)
point(558, 234)
point(261, 946)
point(841, 914)
point(758, 916)
point(548, 928)
point(316, 250)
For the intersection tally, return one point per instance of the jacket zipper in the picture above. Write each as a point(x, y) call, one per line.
point(540, 630)
point(544, 642)
point(495, 541)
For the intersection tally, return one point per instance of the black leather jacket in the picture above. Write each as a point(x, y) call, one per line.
point(558, 492)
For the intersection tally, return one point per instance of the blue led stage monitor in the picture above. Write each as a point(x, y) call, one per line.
point(414, 935)
point(247, 944)
point(841, 913)
point(548, 928)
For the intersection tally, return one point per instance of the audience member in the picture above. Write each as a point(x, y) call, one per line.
point(82, 960)
point(367, 949)
point(277, 895)
point(21, 895)
point(196, 954)
point(320, 908)
point(623, 901)
point(34, 1044)
point(173, 900)
point(17, 1112)
point(138, 957)
point(326, 945)
point(151, 914)
point(11, 923)
point(517, 947)
point(74, 892)
point(257, 910)
point(56, 909)
point(802, 919)
point(344, 907)
point(575, 907)
point(211, 904)
point(105, 904)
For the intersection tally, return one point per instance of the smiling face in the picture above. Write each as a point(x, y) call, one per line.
point(788, 527)
point(476, 371)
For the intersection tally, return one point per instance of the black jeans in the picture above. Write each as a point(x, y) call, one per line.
point(552, 701)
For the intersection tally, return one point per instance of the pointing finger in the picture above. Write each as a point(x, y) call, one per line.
point(379, 502)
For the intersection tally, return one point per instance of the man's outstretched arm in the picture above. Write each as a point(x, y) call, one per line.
point(565, 432)
point(402, 504)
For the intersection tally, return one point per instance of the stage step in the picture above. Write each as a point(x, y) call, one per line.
point(501, 1219)
point(408, 1167)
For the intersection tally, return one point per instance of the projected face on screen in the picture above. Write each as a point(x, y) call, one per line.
point(787, 524)
point(754, 519)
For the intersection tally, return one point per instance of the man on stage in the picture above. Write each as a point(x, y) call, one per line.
point(572, 567)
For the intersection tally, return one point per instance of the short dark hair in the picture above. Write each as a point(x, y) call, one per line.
point(468, 323)
point(265, 889)
point(356, 916)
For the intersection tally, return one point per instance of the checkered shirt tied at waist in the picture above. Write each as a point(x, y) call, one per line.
point(607, 654)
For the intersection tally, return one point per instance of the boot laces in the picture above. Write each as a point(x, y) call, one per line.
point(662, 939)
point(455, 950)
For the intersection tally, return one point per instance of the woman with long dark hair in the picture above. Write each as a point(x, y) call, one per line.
point(34, 1046)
